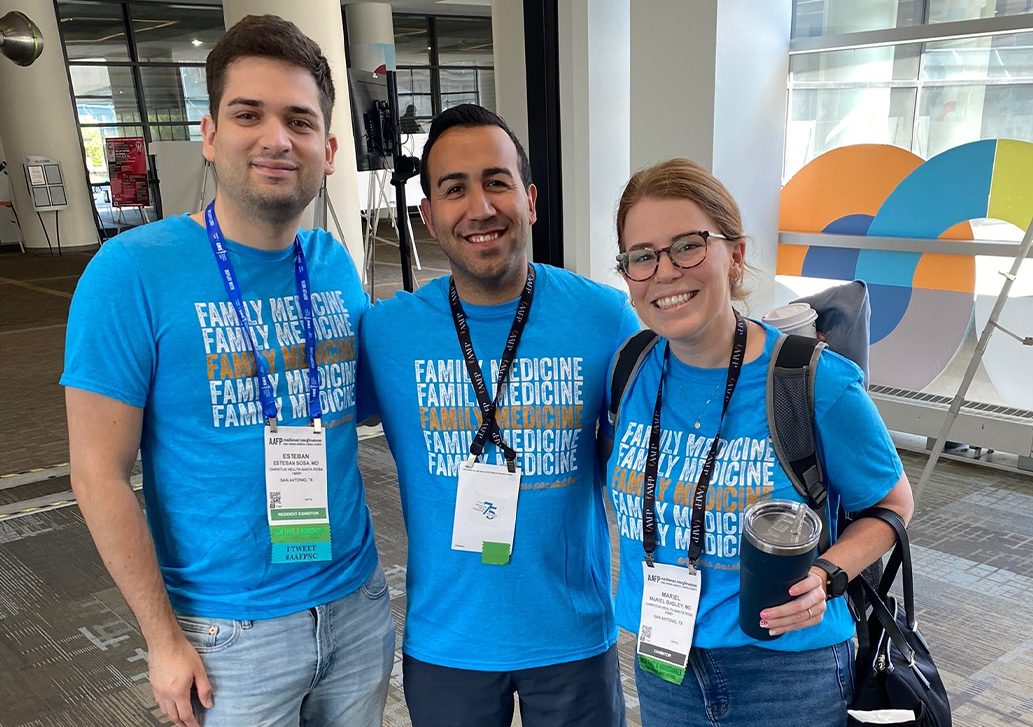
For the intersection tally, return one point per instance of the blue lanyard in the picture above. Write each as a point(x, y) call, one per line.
point(229, 279)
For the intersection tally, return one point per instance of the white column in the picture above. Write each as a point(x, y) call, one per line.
point(507, 42)
point(709, 83)
point(595, 105)
point(321, 21)
point(371, 36)
point(507, 38)
point(37, 118)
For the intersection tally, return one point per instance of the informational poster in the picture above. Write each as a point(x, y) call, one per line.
point(127, 170)
point(46, 184)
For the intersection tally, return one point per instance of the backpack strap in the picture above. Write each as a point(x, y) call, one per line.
point(790, 410)
point(626, 364)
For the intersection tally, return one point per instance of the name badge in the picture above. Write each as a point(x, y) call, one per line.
point(670, 602)
point(486, 507)
point(295, 486)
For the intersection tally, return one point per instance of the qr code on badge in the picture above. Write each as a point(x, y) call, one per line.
point(646, 632)
point(274, 500)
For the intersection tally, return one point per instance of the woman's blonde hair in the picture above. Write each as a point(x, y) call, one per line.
point(684, 179)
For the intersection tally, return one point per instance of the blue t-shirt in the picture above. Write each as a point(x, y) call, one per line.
point(552, 603)
point(861, 466)
point(151, 325)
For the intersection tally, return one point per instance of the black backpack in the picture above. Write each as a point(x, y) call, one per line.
point(790, 410)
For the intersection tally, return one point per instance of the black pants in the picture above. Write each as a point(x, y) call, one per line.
point(585, 693)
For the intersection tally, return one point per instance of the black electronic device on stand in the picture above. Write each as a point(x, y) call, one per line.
point(377, 130)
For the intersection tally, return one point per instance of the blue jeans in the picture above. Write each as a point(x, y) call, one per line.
point(327, 665)
point(749, 686)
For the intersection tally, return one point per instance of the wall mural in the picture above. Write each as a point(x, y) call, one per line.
point(922, 303)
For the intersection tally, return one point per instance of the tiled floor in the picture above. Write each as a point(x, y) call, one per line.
point(71, 654)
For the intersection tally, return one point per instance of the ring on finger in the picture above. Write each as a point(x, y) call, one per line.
point(809, 614)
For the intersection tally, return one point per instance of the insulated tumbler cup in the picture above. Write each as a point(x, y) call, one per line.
point(776, 549)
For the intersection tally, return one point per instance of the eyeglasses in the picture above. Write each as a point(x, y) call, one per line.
point(685, 252)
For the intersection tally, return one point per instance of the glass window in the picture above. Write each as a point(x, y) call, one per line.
point(813, 18)
point(174, 94)
point(412, 41)
point(486, 88)
point(953, 115)
point(464, 41)
point(175, 33)
point(195, 92)
point(423, 105)
point(824, 119)
point(171, 132)
point(1004, 56)
point(945, 11)
point(105, 94)
point(862, 65)
point(412, 80)
point(458, 86)
point(93, 32)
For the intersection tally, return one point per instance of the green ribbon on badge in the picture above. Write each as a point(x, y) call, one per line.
point(319, 533)
point(495, 553)
point(667, 672)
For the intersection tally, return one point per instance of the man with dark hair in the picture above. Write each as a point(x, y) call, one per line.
point(490, 383)
point(222, 346)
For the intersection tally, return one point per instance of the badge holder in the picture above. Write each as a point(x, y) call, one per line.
point(670, 602)
point(486, 507)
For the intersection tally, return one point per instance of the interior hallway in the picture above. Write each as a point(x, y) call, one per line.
point(71, 654)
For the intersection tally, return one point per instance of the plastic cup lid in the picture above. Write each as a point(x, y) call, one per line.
point(794, 315)
point(782, 526)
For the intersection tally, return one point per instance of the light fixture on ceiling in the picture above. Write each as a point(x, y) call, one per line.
point(195, 42)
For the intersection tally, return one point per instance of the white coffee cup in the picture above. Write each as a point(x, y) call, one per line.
point(796, 318)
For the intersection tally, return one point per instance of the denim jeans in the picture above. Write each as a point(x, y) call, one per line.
point(327, 665)
point(749, 686)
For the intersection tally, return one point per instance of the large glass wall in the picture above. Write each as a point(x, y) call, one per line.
point(442, 62)
point(926, 97)
point(137, 69)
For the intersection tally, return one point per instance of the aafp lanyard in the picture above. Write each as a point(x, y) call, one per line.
point(488, 405)
point(699, 494)
point(301, 278)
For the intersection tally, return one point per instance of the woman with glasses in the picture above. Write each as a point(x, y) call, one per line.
point(693, 423)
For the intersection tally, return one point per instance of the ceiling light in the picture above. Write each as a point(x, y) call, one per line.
point(195, 42)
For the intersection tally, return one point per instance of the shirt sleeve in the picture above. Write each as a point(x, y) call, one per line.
point(628, 327)
point(110, 344)
point(860, 461)
point(366, 405)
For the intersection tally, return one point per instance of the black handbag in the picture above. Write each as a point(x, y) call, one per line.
point(894, 667)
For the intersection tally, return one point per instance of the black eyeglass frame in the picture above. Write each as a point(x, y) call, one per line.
point(622, 258)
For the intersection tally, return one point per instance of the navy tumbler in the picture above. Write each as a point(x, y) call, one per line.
point(778, 545)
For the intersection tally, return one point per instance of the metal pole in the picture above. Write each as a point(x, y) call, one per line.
point(973, 365)
point(399, 183)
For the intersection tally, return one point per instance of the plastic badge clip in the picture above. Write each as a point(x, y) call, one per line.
point(317, 425)
point(649, 560)
point(271, 421)
point(471, 461)
point(511, 465)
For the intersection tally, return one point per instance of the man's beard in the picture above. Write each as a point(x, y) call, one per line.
point(277, 208)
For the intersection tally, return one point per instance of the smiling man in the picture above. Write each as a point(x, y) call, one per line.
point(221, 345)
point(490, 383)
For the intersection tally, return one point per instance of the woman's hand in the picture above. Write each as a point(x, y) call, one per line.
point(806, 609)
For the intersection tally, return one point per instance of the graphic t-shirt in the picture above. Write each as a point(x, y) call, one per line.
point(861, 466)
point(552, 603)
point(151, 325)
